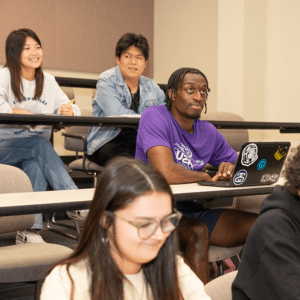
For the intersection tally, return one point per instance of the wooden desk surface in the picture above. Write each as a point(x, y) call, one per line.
point(51, 201)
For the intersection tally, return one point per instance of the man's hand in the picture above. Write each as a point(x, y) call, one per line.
point(224, 172)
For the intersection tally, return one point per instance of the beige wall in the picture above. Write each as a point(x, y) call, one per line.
point(78, 35)
point(186, 35)
point(249, 50)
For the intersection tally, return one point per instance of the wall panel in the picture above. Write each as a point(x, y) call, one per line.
point(79, 35)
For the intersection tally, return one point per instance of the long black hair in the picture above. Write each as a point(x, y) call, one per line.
point(122, 181)
point(13, 48)
point(175, 82)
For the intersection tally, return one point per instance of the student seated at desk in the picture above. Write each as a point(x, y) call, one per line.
point(25, 89)
point(270, 267)
point(128, 247)
point(122, 91)
point(178, 144)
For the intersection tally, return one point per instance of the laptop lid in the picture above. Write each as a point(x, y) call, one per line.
point(259, 163)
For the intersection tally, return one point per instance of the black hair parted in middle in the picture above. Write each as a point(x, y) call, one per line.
point(176, 79)
point(132, 39)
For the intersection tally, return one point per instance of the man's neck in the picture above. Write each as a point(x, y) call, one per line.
point(133, 84)
point(184, 122)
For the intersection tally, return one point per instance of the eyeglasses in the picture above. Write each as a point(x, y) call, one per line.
point(148, 228)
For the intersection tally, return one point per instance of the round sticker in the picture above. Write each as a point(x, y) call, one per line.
point(240, 177)
point(261, 164)
point(249, 155)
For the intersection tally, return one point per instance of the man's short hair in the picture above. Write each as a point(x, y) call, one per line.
point(176, 79)
point(292, 174)
point(131, 39)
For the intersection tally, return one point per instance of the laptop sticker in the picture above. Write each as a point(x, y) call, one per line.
point(261, 164)
point(272, 178)
point(280, 153)
point(240, 177)
point(249, 155)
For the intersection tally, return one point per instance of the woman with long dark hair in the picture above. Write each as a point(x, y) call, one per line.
point(25, 89)
point(128, 246)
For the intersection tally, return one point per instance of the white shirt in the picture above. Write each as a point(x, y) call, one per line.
point(57, 284)
point(50, 102)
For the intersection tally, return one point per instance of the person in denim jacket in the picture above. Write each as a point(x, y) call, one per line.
point(122, 91)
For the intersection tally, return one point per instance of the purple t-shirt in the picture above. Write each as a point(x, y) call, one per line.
point(193, 151)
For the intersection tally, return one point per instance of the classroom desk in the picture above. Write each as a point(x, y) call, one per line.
point(54, 201)
point(59, 121)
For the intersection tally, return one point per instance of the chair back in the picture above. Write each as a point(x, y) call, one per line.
point(68, 91)
point(220, 288)
point(14, 180)
point(73, 144)
point(234, 137)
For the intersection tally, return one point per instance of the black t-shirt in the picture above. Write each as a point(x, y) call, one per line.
point(135, 100)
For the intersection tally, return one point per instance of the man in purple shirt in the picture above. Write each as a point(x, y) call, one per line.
point(178, 144)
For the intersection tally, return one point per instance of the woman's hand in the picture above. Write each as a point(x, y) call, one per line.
point(66, 110)
point(21, 111)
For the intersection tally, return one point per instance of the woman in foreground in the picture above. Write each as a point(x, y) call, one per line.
point(128, 247)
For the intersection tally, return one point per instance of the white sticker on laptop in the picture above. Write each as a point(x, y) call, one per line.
point(249, 155)
point(269, 178)
point(240, 177)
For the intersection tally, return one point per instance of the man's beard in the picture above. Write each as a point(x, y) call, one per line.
point(194, 116)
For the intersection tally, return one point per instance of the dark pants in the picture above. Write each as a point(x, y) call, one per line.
point(123, 144)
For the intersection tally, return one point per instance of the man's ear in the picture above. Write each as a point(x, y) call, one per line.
point(117, 60)
point(171, 94)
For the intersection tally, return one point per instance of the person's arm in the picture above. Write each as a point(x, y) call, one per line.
point(20, 111)
point(57, 285)
point(223, 157)
point(109, 100)
point(61, 103)
point(191, 286)
point(4, 87)
point(161, 158)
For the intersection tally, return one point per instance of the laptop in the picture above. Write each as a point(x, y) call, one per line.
point(257, 164)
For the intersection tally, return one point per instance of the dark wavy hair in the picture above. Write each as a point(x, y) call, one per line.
point(13, 48)
point(131, 39)
point(175, 82)
point(122, 181)
point(292, 173)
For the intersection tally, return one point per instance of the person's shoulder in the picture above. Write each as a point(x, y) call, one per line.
point(191, 286)
point(5, 72)
point(78, 271)
point(49, 78)
point(154, 111)
point(108, 73)
point(58, 282)
point(205, 124)
point(148, 81)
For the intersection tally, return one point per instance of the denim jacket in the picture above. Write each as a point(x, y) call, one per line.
point(113, 98)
